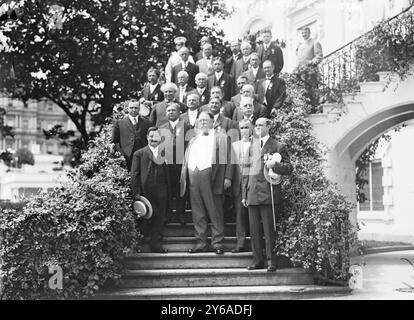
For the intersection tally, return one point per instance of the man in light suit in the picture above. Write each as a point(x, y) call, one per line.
point(241, 161)
point(174, 132)
point(271, 90)
point(129, 134)
point(242, 65)
point(183, 87)
point(207, 165)
point(269, 50)
point(205, 64)
point(201, 88)
point(152, 89)
point(257, 195)
point(199, 55)
point(255, 72)
point(184, 65)
point(158, 116)
point(221, 79)
point(149, 178)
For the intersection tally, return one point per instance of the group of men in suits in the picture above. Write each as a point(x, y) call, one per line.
point(206, 135)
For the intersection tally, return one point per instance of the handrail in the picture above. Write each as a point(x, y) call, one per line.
point(370, 31)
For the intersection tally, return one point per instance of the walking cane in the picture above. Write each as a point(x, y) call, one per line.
point(273, 206)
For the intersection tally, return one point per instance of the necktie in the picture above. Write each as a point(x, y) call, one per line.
point(261, 143)
point(134, 121)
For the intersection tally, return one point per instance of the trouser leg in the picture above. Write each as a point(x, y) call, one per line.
point(241, 221)
point(198, 208)
point(269, 232)
point(216, 216)
point(256, 234)
point(159, 206)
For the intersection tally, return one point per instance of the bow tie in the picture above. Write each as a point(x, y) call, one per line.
point(205, 133)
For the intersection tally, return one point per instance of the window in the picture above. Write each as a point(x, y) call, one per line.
point(373, 190)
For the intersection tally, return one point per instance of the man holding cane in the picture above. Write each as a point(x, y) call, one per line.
point(258, 195)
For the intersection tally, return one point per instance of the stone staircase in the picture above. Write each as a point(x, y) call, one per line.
point(179, 275)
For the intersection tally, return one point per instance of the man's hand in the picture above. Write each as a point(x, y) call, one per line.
point(244, 203)
point(227, 183)
point(273, 113)
point(137, 197)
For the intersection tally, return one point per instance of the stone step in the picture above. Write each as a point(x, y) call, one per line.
point(183, 260)
point(178, 230)
point(183, 244)
point(225, 293)
point(165, 278)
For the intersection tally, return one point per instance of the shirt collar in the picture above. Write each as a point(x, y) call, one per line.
point(154, 150)
point(183, 87)
point(133, 118)
point(219, 74)
point(264, 139)
point(216, 117)
point(174, 123)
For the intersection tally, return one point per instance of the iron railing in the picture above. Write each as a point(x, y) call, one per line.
point(343, 65)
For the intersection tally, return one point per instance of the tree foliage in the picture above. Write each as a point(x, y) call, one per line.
point(87, 55)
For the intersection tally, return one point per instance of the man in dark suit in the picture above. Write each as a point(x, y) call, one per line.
point(255, 72)
point(174, 133)
point(236, 55)
point(271, 90)
point(259, 110)
point(207, 165)
point(220, 122)
point(158, 116)
point(149, 178)
point(152, 89)
point(221, 79)
point(201, 88)
point(248, 110)
point(129, 134)
point(183, 87)
point(240, 82)
point(270, 51)
point(185, 65)
point(242, 65)
point(227, 108)
point(257, 193)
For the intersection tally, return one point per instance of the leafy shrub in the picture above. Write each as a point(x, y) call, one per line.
point(86, 227)
point(314, 227)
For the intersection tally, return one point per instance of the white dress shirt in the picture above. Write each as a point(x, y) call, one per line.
point(174, 123)
point(154, 151)
point(218, 75)
point(134, 120)
point(192, 116)
point(263, 140)
point(254, 70)
point(201, 152)
point(153, 87)
point(182, 93)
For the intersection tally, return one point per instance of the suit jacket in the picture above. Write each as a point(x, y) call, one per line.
point(175, 140)
point(224, 123)
point(142, 162)
point(188, 89)
point(156, 95)
point(257, 188)
point(227, 109)
point(204, 98)
point(274, 95)
point(129, 138)
point(158, 116)
point(204, 67)
point(241, 161)
point(185, 118)
point(253, 79)
point(239, 67)
point(273, 53)
point(192, 71)
point(237, 98)
point(221, 164)
point(229, 64)
point(226, 83)
point(259, 111)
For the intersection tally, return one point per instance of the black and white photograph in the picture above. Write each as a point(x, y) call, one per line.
point(216, 151)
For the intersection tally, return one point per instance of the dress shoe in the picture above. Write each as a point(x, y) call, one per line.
point(238, 249)
point(198, 250)
point(271, 268)
point(255, 266)
point(219, 251)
